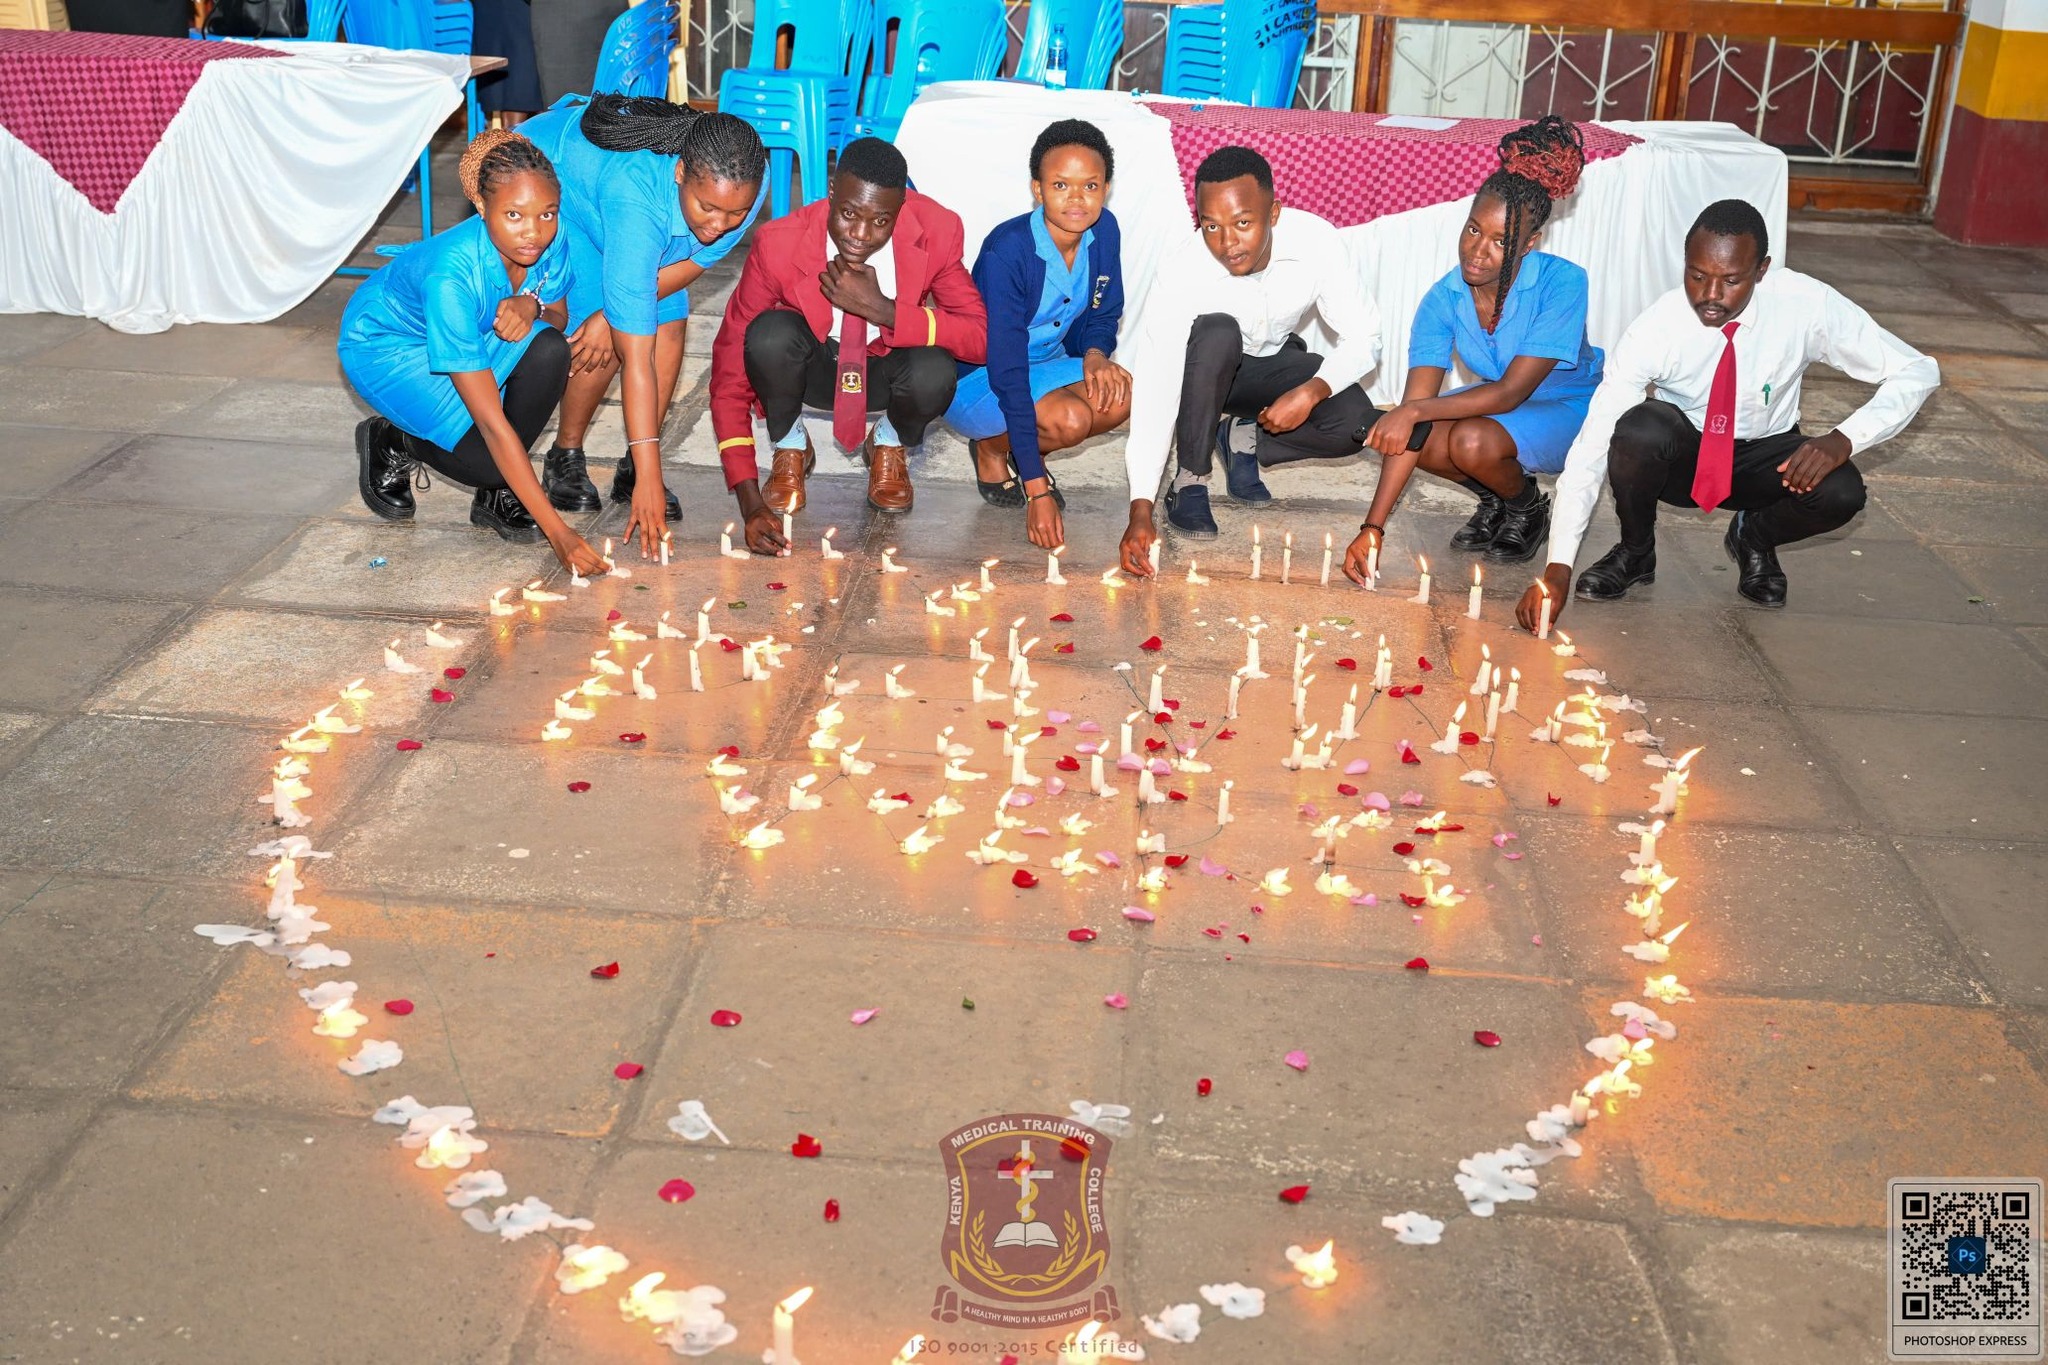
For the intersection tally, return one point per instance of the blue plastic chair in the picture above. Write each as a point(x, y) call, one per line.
point(637, 47)
point(1246, 51)
point(1095, 34)
point(794, 126)
point(801, 110)
point(936, 40)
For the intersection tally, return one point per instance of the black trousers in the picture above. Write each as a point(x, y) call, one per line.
point(1656, 451)
point(1221, 379)
point(791, 369)
point(532, 393)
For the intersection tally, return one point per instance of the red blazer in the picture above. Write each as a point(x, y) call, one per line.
point(936, 305)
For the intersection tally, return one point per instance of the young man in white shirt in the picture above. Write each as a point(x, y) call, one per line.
point(1220, 342)
point(1722, 357)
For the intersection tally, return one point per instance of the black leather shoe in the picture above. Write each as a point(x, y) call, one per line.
point(1187, 510)
point(499, 509)
point(1616, 572)
point(384, 469)
point(1762, 581)
point(1477, 533)
point(1523, 531)
point(622, 489)
point(566, 480)
point(1240, 471)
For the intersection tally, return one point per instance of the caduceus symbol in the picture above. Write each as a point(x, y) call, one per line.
point(1026, 1231)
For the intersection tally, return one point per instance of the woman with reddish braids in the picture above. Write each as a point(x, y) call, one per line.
point(458, 346)
point(1516, 317)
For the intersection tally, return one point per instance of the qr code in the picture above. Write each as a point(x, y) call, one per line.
point(1966, 1269)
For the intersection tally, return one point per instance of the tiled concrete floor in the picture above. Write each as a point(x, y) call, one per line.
point(184, 1175)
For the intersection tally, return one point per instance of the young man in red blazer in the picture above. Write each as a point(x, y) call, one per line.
point(855, 304)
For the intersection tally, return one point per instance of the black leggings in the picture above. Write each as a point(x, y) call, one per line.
point(532, 393)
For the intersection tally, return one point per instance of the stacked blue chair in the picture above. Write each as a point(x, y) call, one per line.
point(1245, 51)
point(802, 110)
point(637, 47)
point(1094, 32)
point(936, 40)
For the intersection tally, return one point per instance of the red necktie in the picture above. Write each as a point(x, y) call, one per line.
point(1715, 473)
point(850, 402)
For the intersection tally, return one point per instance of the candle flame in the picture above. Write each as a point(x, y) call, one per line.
point(1423, 560)
point(796, 1300)
point(1667, 939)
point(1544, 588)
point(728, 528)
point(1475, 575)
point(709, 603)
point(1326, 540)
point(1317, 1268)
point(1686, 758)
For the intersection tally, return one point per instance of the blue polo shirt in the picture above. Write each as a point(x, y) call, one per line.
point(1063, 297)
point(1545, 317)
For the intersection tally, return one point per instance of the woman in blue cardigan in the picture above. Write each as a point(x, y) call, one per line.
point(1055, 293)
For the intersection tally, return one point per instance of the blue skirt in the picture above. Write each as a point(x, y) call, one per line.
point(977, 415)
point(1543, 429)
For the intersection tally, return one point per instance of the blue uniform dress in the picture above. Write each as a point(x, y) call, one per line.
point(1062, 300)
point(1545, 316)
point(428, 315)
point(623, 214)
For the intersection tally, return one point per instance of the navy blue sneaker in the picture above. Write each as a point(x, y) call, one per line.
point(1240, 472)
point(1187, 509)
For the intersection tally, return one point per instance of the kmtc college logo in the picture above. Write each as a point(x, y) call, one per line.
point(1025, 1236)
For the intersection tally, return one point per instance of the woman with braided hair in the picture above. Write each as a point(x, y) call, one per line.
point(458, 346)
point(653, 195)
point(1516, 317)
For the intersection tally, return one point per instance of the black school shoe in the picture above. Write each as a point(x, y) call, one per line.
point(384, 469)
point(626, 477)
point(1615, 573)
point(1477, 533)
point(1187, 511)
point(1522, 532)
point(1762, 581)
point(499, 509)
point(566, 480)
point(1240, 472)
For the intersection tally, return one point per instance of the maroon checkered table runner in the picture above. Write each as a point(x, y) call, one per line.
point(1346, 167)
point(95, 105)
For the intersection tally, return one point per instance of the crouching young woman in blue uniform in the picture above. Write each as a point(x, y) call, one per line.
point(458, 346)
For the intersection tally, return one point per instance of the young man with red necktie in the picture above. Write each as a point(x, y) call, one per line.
point(1722, 357)
point(855, 304)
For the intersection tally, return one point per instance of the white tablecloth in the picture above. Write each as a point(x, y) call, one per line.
point(969, 146)
point(269, 175)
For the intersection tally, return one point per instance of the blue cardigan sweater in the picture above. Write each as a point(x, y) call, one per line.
point(1011, 278)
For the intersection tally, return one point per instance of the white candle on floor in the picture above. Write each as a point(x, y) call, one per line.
point(1472, 598)
point(1223, 805)
point(1422, 592)
point(1492, 712)
point(1326, 559)
point(1286, 556)
point(1514, 690)
point(1257, 550)
point(1157, 700)
point(1543, 613)
point(696, 672)
point(987, 583)
point(825, 549)
point(1230, 710)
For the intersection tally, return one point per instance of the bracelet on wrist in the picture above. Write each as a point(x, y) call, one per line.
point(1372, 526)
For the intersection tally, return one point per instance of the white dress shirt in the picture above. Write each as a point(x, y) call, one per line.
point(884, 264)
point(1792, 320)
point(1310, 270)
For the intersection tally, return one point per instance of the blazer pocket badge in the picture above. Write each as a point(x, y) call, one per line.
point(1101, 283)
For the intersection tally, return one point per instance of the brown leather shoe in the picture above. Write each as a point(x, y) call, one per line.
point(784, 491)
point(888, 476)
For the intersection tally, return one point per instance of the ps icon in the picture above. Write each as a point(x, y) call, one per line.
point(1966, 1255)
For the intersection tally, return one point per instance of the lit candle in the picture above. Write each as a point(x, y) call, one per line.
point(1472, 597)
point(1449, 743)
point(825, 544)
point(1564, 648)
point(1318, 1269)
point(912, 1349)
point(1347, 725)
point(1543, 612)
point(1230, 708)
point(1257, 550)
point(667, 537)
point(1383, 667)
point(1152, 556)
point(1019, 777)
point(1514, 690)
point(1582, 1110)
point(1294, 759)
point(1492, 711)
point(1095, 781)
point(1422, 593)
point(1301, 700)
point(748, 666)
point(696, 671)
point(785, 1326)
point(1015, 626)
point(1326, 559)
point(1223, 804)
point(1646, 846)
point(939, 745)
point(1148, 789)
point(892, 684)
point(1485, 678)
point(640, 687)
point(988, 584)
point(498, 605)
point(788, 531)
point(1556, 723)
point(1052, 568)
point(1125, 741)
point(704, 620)
point(1157, 701)
point(1372, 565)
point(725, 540)
point(1286, 556)
point(1251, 667)
point(975, 652)
point(800, 797)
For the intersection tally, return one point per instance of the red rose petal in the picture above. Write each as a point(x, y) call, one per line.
point(1198, 724)
point(1486, 1037)
point(1073, 1149)
point(998, 725)
point(579, 786)
point(1081, 935)
point(1553, 800)
point(1063, 649)
point(729, 646)
point(1212, 933)
point(1024, 877)
point(1048, 731)
point(398, 1007)
point(1468, 737)
point(1417, 964)
point(633, 737)
point(902, 796)
point(1163, 718)
point(441, 695)
point(1172, 703)
point(1246, 938)
point(725, 1018)
point(806, 1146)
point(1062, 616)
point(1438, 829)
point(1425, 665)
point(606, 972)
point(1153, 643)
point(406, 746)
point(1346, 789)
point(775, 587)
point(1294, 1194)
point(675, 1191)
point(1397, 692)
point(626, 1071)
point(1176, 796)
point(1177, 859)
point(730, 751)
point(1067, 763)
point(1349, 665)
point(454, 674)
point(612, 615)
point(1226, 734)
point(1413, 901)
point(1204, 1086)
point(1410, 756)
point(1154, 745)
point(1403, 849)
point(831, 1210)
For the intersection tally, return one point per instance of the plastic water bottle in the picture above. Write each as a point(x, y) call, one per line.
point(1056, 59)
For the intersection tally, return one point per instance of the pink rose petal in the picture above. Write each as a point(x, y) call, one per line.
point(1036, 831)
point(1297, 1059)
point(1161, 768)
point(1411, 799)
point(1357, 766)
point(1369, 898)
point(1376, 801)
point(1021, 798)
point(1212, 868)
point(1501, 840)
point(1055, 785)
point(1108, 859)
point(1512, 857)
point(1130, 763)
point(1117, 1001)
point(862, 1016)
point(1057, 717)
point(1089, 727)
point(1142, 916)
